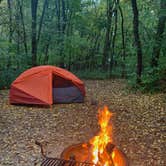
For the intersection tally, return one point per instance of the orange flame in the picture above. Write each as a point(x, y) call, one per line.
point(100, 155)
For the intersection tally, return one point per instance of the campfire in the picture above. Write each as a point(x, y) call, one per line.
point(100, 154)
point(98, 151)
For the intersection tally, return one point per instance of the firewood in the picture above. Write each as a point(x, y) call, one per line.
point(110, 147)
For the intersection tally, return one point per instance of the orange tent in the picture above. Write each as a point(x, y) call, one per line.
point(37, 85)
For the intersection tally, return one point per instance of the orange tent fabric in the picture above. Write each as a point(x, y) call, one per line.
point(34, 86)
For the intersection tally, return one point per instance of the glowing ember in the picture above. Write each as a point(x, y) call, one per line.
point(100, 156)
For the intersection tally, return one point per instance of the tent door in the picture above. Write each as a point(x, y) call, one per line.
point(64, 91)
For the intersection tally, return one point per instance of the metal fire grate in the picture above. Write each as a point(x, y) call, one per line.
point(60, 162)
point(48, 161)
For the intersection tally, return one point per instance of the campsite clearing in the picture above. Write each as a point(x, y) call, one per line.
point(139, 125)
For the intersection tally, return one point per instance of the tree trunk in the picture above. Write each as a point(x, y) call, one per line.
point(106, 49)
point(69, 31)
point(17, 20)
point(23, 27)
point(9, 3)
point(113, 42)
point(63, 27)
point(10, 19)
point(46, 58)
point(159, 34)
point(64, 19)
point(45, 5)
point(123, 42)
point(57, 7)
point(49, 17)
point(34, 4)
point(93, 51)
point(137, 39)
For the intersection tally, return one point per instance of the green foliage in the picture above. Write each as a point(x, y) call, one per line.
point(7, 77)
point(155, 78)
point(11, 63)
point(92, 74)
point(153, 81)
point(79, 46)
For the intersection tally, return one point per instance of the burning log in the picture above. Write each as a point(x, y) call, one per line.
point(106, 156)
point(102, 141)
point(110, 147)
point(107, 152)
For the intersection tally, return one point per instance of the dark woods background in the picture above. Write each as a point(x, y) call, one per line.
point(95, 39)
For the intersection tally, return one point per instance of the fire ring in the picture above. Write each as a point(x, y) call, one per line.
point(80, 153)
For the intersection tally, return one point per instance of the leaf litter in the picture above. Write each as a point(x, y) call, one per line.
point(138, 125)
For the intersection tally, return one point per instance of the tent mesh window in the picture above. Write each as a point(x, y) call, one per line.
point(64, 91)
point(59, 82)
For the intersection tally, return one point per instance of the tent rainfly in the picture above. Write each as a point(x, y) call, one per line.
point(46, 85)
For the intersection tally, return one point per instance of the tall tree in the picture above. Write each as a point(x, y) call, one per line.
point(64, 19)
point(159, 34)
point(63, 28)
point(137, 39)
point(123, 41)
point(113, 41)
point(23, 25)
point(17, 27)
point(45, 5)
point(9, 2)
point(58, 14)
point(106, 48)
point(34, 4)
point(61, 9)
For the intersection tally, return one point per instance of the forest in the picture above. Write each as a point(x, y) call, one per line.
point(95, 39)
point(82, 82)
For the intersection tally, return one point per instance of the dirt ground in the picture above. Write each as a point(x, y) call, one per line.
point(139, 125)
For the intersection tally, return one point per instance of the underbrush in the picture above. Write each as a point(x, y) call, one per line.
point(101, 75)
point(153, 81)
point(7, 76)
